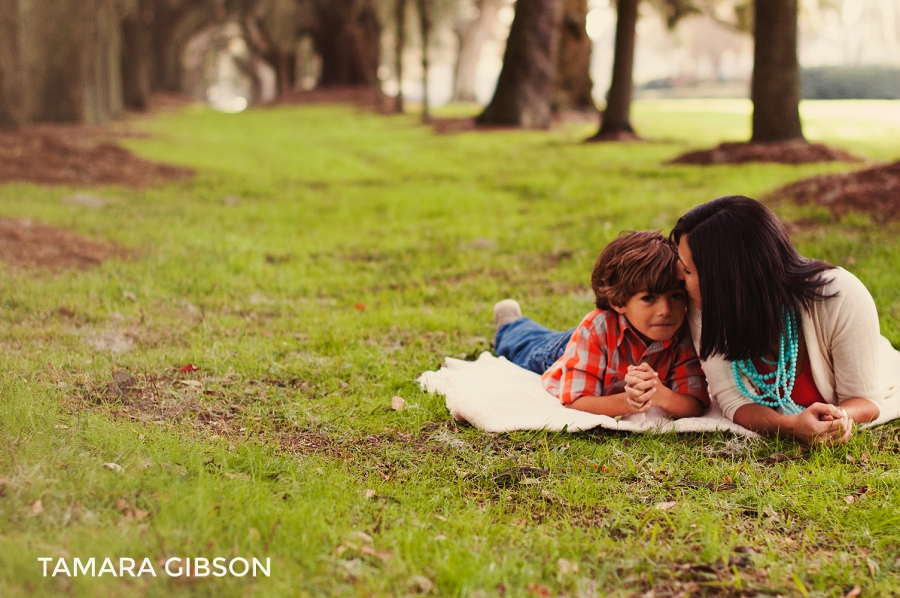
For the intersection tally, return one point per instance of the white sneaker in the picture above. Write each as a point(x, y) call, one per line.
point(506, 311)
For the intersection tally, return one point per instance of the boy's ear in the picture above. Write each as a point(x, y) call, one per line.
point(620, 309)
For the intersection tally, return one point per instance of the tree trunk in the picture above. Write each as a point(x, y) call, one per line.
point(399, 45)
point(103, 72)
point(167, 24)
point(348, 39)
point(163, 20)
point(136, 58)
point(425, 29)
point(775, 88)
point(471, 36)
point(525, 87)
point(287, 67)
point(616, 121)
point(262, 45)
point(60, 61)
point(12, 107)
point(573, 79)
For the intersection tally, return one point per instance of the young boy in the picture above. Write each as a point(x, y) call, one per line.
point(632, 353)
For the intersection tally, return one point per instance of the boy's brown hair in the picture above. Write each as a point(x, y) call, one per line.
point(636, 261)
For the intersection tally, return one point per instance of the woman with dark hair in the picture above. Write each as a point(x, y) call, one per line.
point(789, 345)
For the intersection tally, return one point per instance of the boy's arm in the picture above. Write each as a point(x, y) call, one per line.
point(676, 404)
point(684, 392)
point(611, 405)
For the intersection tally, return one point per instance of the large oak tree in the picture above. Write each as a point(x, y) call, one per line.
point(59, 61)
point(573, 73)
point(525, 88)
point(775, 88)
point(347, 37)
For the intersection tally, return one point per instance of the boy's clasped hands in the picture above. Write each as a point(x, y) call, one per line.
point(641, 384)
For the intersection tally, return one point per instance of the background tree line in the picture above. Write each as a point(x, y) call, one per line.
point(88, 60)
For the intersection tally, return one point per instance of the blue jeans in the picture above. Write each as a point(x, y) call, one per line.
point(530, 345)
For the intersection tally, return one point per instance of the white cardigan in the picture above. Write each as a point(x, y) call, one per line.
point(848, 356)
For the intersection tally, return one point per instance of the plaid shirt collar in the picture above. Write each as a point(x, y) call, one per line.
point(626, 329)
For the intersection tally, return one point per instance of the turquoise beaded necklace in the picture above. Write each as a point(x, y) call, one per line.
point(774, 388)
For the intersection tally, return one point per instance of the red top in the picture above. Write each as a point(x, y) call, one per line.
point(805, 392)
point(598, 355)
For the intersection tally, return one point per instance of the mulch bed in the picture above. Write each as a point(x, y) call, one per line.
point(874, 190)
point(449, 126)
point(76, 155)
point(788, 152)
point(615, 137)
point(368, 98)
point(25, 242)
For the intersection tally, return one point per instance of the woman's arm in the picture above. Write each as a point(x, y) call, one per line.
point(820, 423)
point(860, 410)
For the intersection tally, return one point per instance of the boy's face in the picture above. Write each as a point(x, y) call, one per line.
point(655, 317)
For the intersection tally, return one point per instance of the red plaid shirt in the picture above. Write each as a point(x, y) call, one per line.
point(604, 345)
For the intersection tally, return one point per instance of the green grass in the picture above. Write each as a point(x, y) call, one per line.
point(362, 251)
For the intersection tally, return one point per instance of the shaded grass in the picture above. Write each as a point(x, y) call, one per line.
point(320, 261)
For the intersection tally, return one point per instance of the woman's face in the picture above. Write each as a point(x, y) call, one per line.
point(687, 272)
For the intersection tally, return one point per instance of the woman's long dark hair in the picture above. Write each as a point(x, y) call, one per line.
point(749, 270)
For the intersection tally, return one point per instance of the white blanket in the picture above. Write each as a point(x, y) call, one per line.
point(495, 395)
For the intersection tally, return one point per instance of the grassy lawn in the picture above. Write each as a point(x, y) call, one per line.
point(318, 263)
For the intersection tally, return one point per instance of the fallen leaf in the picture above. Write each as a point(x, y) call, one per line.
point(123, 505)
point(140, 514)
point(66, 312)
point(538, 589)
point(398, 403)
point(566, 567)
point(777, 458)
point(367, 550)
point(188, 367)
point(873, 566)
point(114, 467)
point(728, 479)
point(421, 584)
point(370, 493)
point(37, 507)
point(849, 499)
point(3, 481)
point(439, 517)
point(854, 593)
point(384, 555)
point(130, 296)
point(665, 505)
point(360, 306)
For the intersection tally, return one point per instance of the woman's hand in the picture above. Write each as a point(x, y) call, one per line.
point(824, 424)
point(820, 423)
